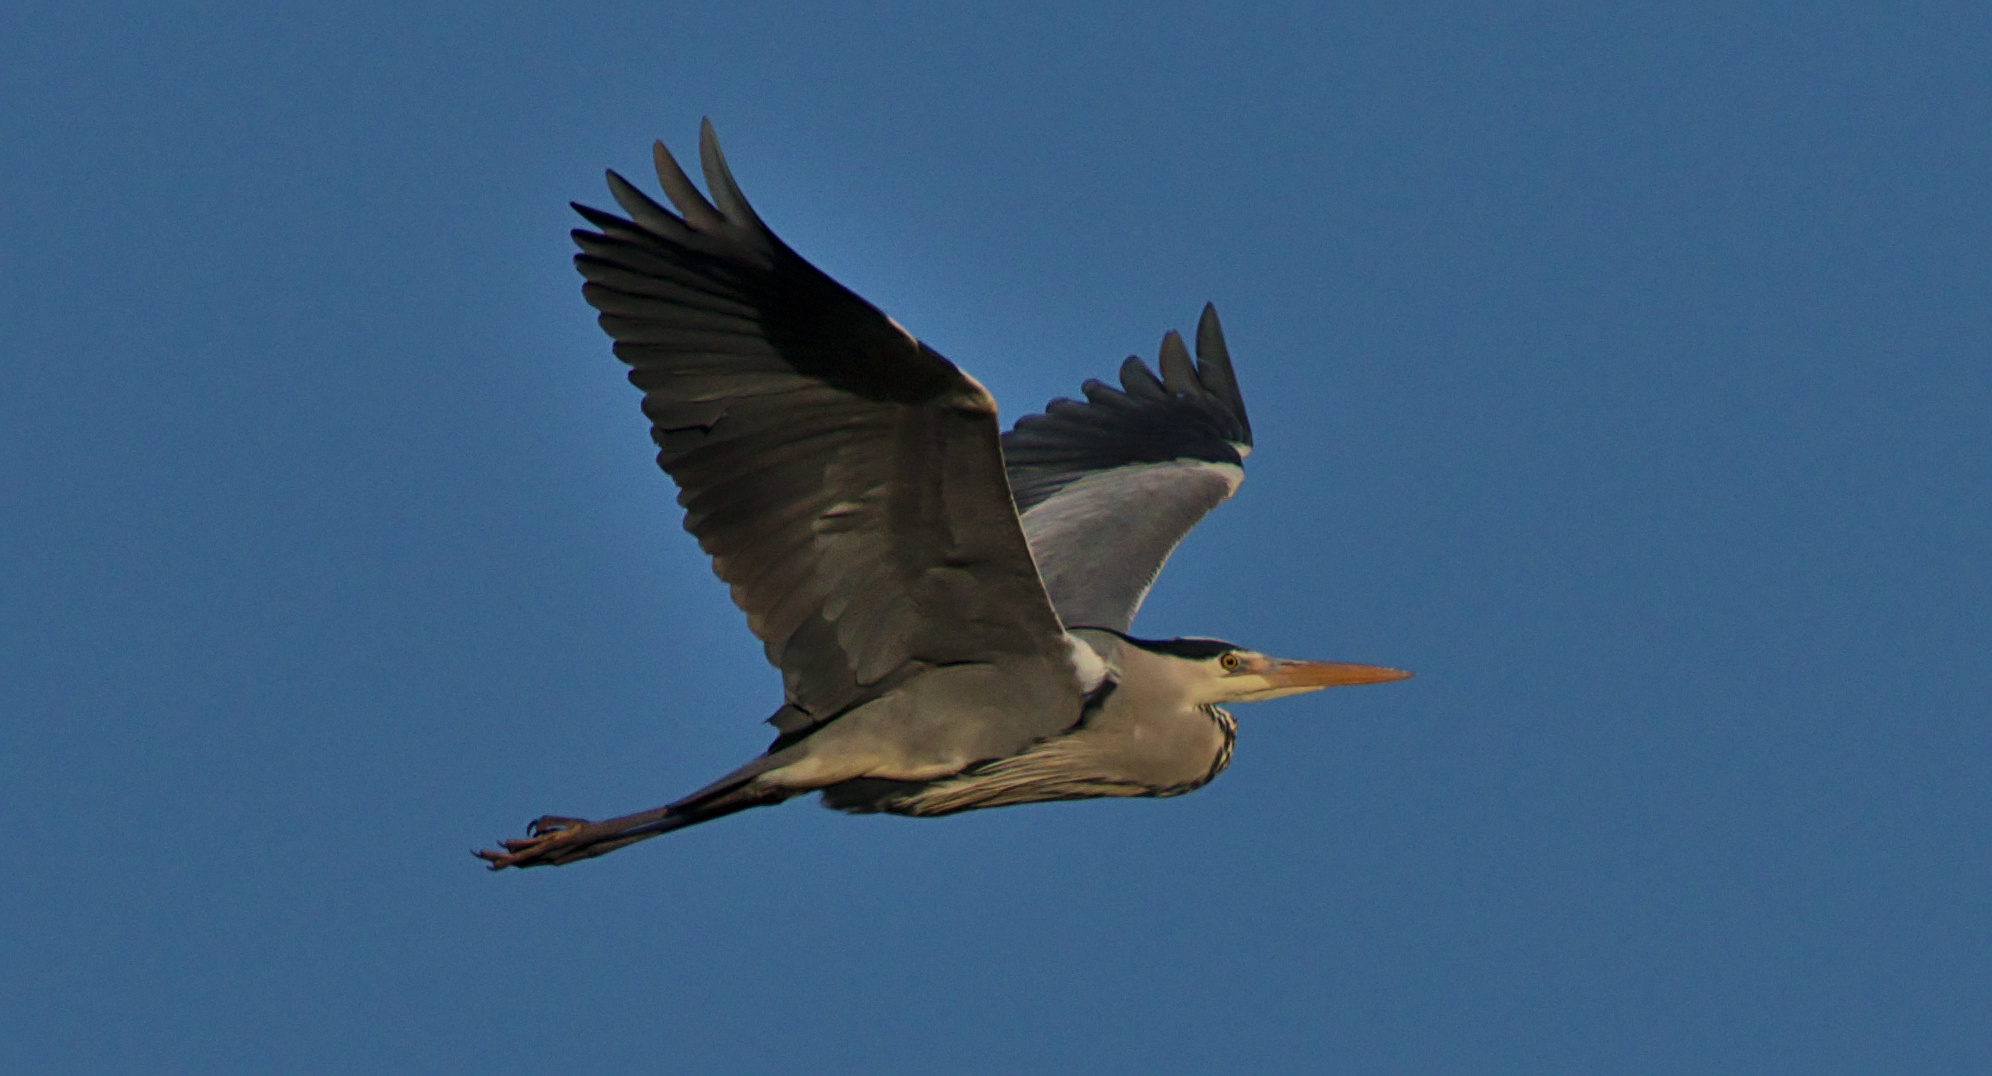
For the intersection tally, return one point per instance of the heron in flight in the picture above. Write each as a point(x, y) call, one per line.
point(949, 605)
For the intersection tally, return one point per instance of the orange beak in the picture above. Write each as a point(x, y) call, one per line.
point(1288, 675)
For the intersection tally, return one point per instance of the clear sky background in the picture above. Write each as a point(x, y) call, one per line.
point(1625, 370)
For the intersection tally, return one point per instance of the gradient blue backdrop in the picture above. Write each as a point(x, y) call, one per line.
point(1625, 373)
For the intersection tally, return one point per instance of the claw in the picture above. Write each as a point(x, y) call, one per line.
point(552, 823)
point(542, 843)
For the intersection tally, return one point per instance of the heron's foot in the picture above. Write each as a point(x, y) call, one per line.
point(548, 841)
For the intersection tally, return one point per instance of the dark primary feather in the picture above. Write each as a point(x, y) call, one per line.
point(1193, 411)
point(846, 480)
point(1108, 487)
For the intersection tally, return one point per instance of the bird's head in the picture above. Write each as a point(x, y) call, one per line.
point(1219, 672)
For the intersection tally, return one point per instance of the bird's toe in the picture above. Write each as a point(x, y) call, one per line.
point(547, 838)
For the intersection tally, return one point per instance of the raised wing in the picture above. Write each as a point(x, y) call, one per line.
point(846, 479)
point(1110, 486)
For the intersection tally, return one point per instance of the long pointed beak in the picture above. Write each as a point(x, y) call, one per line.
point(1291, 674)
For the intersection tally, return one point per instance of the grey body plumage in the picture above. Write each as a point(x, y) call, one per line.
point(1140, 735)
point(947, 605)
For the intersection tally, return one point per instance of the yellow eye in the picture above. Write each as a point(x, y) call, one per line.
point(1230, 662)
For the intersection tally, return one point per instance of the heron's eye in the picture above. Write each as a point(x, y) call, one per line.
point(1230, 662)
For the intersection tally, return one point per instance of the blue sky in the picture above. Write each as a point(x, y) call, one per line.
point(1622, 370)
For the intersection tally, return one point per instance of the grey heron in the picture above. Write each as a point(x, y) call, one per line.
point(949, 606)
